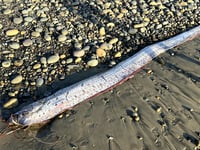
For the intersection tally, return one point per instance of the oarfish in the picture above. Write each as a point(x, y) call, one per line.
point(49, 107)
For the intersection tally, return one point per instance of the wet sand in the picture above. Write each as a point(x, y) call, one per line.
point(166, 93)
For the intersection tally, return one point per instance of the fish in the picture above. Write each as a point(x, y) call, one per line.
point(65, 99)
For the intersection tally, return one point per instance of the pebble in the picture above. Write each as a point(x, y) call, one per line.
point(1, 26)
point(118, 54)
point(18, 79)
point(113, 41)
point(79, 53)
point(106, 46)
point(11, 103)
point(143, 29)
point(62, 38)
point(92, 63)
point(12, 32)
point(27, 42)
point(102, 31)
point(132, 31)
point(39, 82)
point(28, 19)
point(6, 64)
point(36, 66)
point(18, 63)
point(17, 20)
point(100, 52)
point(69, 60)
point(47, 37)
point(14, 45)
point(43, 60)
point(7, 11)
point(65, 32)
point(35, 34)
point(53, 59)
point(77, 60)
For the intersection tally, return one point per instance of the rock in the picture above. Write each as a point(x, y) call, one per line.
point(100, 52)
point(106, 46)
point(69, 60)
point(35, 34)
point(14, 45)
point(18, 79)
point(132, 31)
point(53, 59)
point(1, 26)
point(47, 37)
point(39, 82)
point(28, 19)
point(62, 38)
point(102, 31)
point(11, 103)
point(136, 26)
point(6, 64)
point(7, 11)
point(27, 42)
point(118, 54)
point(143, 29)
point(36, 66)
point(18, 63)
point(12, 32)
point(92, 63)
point(79, 53)
point(43, 60)
point(113, 41)
point(17, 20)
point(65, 32)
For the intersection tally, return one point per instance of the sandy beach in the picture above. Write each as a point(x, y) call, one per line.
point(164, 95)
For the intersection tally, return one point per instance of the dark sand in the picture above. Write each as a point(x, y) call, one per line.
point(168, 102)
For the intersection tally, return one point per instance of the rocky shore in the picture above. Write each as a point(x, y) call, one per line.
point(42, 42)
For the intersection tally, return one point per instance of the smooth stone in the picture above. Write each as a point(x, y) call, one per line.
point(27, 42)
point(43, 60)
point(18, 63)
point(7, 11)
point(12, 32)
point(6, 64)
point(39, 82)
point(11, 103)
point(92, 63)
point(106, 46)
point(78, 53)
point(35, 34)
point(17, 20)
point(14, 45)
point(62, 38)
point(132, 31)
point(18, 79)
point(53, 59)
point(36, 66)
point(113, 41)
point(143, 29)
point(28, 19)
point(69, 60)
point(1, 26)
point(102, 31)
point(39, 29)
point(47, 38)
point(100, 52)
point(159, 26)
point(65, 32)
point(118, 54)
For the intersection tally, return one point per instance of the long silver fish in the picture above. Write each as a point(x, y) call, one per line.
point(47, 108)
